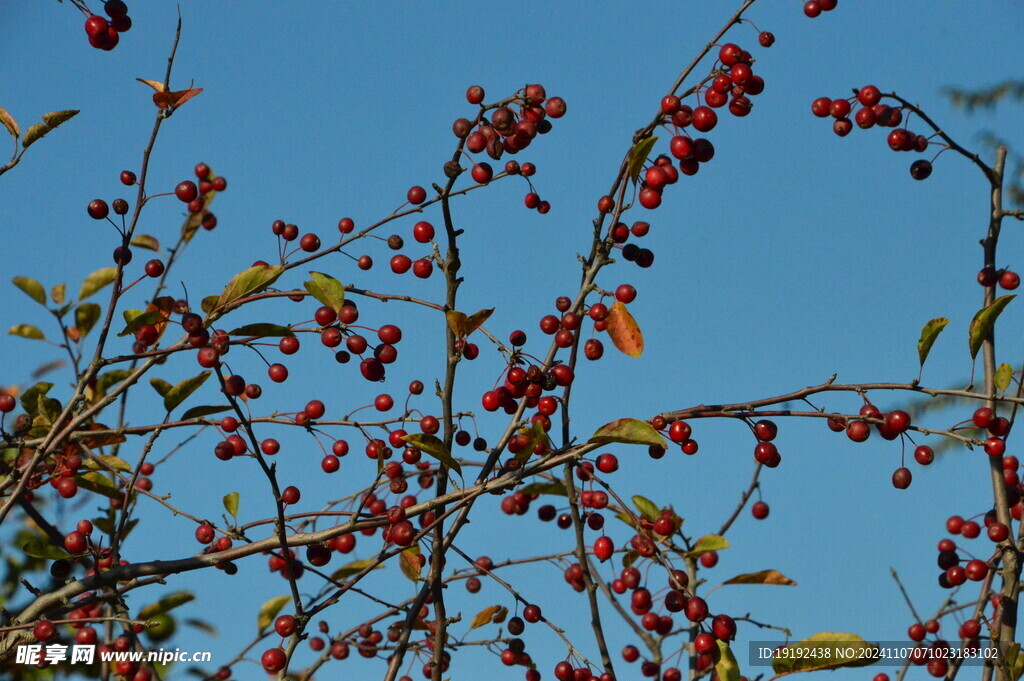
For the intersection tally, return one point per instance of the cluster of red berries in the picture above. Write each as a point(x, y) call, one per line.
point(104, 34)
point(508, 131)
point(814, 8)
point(676, 599)
point(890, 426)
point(1007, 279)
point(198, 196)
point(422, 232)
point(872, 112)
point(734, 84)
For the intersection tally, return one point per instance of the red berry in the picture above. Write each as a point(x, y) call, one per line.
point(416, 195)
point(186, 191)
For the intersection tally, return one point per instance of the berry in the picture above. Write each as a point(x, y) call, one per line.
point(186, 191)
point(416, 195)
point(98, 209)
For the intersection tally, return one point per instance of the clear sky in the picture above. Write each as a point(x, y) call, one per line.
point(792, 256)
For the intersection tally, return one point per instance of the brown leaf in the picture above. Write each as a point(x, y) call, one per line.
point(457, 322)
point(773, 577)
point(7, 120)
point(172, 100)
point(494, 613)
point(624, 331)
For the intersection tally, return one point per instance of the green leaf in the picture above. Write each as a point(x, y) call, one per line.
point(327, 290)
point(97, 483)
point(430, 444)
point(1004, 375)
point(708, 543)
point(39, 548)
point(231, 503)
point(772, 577)
point(824, 650)
point(26, 331)
point(354, 568)
point(111, 462)
point(638, 156)
point(181, 391)
point(269, 611)
point(106, 380)
point(32, 288)
point(983, 322)
point(97, 280)
point(161, 386)
point(262, 330)
point(136, 319)
point(537, 436)
point(30, 398)
point(209, 303)
point(146, 241)
point(629, 431)
point(929, 333)
point(203, 626)
point(57, 293)
point(647, 508)
point(34, 133)
point(248, 282)
point(165, 604)
point(727, 668)
point(55, 118)
point(7, 120)
point(409, 562)
point(86, 316)
point(205, 410)
point(556, 488)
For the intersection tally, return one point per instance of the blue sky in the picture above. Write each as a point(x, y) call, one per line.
point(792, 256)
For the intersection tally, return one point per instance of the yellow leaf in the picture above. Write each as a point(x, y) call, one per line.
point(763, 577)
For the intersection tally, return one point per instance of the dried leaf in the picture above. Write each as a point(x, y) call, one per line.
point(172, 100)
point(57, 293)
point(929, 333)
point(409, 562)
point(354, 568)
point(7, 120)
point(35, 133)
point(773, 577)
point(624, 331)
point(155, 84)
point(55, 119)
point(486, 616)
